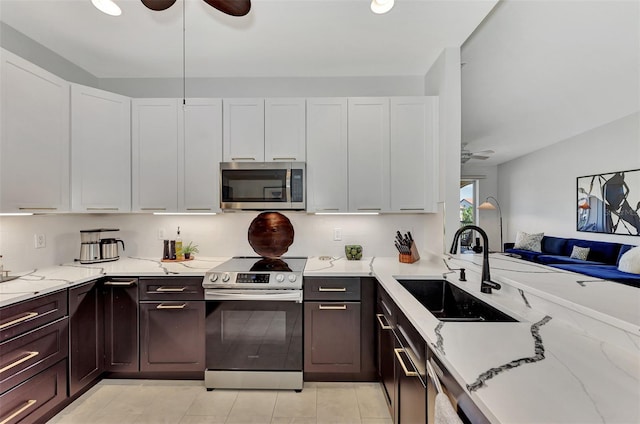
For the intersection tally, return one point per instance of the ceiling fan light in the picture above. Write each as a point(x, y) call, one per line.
point(108, 7)
point(381, 6)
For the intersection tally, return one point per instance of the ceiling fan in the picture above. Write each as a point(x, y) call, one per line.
point(230, 7)
point(466, 155)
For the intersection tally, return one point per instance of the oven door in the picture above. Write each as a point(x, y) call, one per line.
point(253, 331)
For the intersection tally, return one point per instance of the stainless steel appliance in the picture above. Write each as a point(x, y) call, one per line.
point(262, 185)
point(93, 249)
point(254, 324)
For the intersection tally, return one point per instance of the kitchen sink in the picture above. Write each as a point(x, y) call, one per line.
point(447, 302)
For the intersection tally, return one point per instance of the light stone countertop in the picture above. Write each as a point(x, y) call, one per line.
point(573, 357)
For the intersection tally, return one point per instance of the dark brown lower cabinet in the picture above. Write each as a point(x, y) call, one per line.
point(332, 337)
point(86, 331)
point(411, 392)
point(172, 336)
point(120, 297)
point(386, 358)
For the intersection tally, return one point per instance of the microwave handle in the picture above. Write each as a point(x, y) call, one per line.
point(288, 185)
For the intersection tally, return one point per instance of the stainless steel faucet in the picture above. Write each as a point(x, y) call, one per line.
point(485, 283)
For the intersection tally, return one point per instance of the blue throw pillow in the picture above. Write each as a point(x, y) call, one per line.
point(553, 245)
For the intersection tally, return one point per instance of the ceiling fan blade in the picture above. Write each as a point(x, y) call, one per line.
point(484, 152)
point(231, 7)
point(479, 157)
point(158, 4)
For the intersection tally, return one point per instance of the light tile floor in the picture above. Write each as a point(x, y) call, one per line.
point(188, 402)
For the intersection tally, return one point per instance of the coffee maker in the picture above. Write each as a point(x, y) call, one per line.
point(94, 249)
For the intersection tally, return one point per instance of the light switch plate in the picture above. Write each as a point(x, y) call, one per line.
point(40, 241)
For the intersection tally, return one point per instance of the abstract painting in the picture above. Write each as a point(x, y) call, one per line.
point(609, 203)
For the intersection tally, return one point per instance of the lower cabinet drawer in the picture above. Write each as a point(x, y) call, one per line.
point(27, 355)
point(34, 398)
point(25, 316)
point(338, 289)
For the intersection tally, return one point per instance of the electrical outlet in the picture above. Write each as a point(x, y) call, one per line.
point(161, 233)
point(40, 241)
point(337, 234)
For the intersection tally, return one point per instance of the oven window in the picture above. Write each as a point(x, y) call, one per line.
point(268, 185)
point(254, 335)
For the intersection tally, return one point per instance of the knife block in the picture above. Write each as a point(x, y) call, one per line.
point(407, 258)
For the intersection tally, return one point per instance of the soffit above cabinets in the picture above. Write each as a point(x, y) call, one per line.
point(278, 38)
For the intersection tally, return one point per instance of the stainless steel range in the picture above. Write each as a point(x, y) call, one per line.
point(254, 324)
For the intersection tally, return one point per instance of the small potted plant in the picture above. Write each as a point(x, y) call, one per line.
point(189, 249)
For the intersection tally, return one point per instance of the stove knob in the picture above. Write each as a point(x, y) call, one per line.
point(292, 278)
point(213, 278)
point(225, 277)
point(279, 278)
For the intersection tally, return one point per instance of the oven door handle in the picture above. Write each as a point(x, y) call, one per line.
point(268, 295)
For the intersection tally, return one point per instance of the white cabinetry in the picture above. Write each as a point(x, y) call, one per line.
point(34, 144)
point(327, 155)
point(201, 153)
point(414, 154)
point(155, 137)
point(369, 154)
point(243, 127)
point(284, 126)
point(100, 151)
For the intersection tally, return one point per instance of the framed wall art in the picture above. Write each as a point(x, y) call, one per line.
point(609, 203)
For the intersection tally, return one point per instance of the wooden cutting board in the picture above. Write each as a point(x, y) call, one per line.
point(270, 234)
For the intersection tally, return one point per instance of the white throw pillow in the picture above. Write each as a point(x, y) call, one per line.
point(532, 242)
point(630, 261)
point(580, 253)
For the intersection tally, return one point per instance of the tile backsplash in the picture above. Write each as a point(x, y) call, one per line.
point(219, 235)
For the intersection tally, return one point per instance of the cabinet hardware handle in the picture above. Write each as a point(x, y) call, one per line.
point(28, 404)
point(128, 283)
point(243, 158)
point(333, 307)
point(171, 289)
point(198, 209)
point(284, 158)
point(332, 289)
point(411, 209)
point(103, 209)
point(37, 209)
point(153, 209)
point(163, 306)
point(369, 209)
point(28, 356)
point(329, 209)
point(383, 325)
point(384, 305)
point(26, 317)
point(404, 367)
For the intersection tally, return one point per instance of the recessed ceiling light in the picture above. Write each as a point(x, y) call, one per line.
point(381, 6)
point(108, 7)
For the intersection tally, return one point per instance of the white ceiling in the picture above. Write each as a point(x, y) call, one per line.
point(280, 38)
point(539, 72)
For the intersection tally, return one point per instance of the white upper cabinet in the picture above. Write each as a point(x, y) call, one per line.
point(327, 155)
point(414, 154)
point(100, 151)
point(34, 144)
point(243, 130)
point(155, 137)
point(200, 156)
point(285, 135)
point(369, 154)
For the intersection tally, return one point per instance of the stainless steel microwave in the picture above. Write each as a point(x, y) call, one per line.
point(262, 185)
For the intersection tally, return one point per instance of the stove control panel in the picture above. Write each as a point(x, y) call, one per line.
point(262, 280)
point(247, 278)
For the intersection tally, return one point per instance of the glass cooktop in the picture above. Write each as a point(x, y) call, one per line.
point(260, 264)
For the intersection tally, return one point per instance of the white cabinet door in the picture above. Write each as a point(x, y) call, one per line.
point(327, 155)
point(200, 156)
point(34, 144)
point(284, 125)
point(100, 151)
point(414, 154)
point(155, 136)
point(243, 130)
point(369, 154)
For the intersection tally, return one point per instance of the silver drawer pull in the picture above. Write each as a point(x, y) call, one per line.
point(368, 209)
point(163, 306)
point(28, 356)
point(26, 317)
point(332, 289)
point(198, 209)
point(333, 307)
point(37, 209)
point(383, 325)
point(171, 289)
point(404, 367)
point(284, 158)
point(243, 158)
point(153, 209)
point(28, 404)
point(411, 209)
point(102, 209)
point(128, 283)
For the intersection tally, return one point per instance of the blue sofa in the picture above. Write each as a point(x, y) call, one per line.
point(602, 261)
